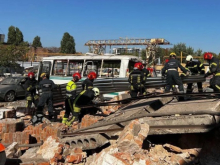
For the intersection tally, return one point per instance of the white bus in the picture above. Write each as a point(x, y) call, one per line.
point(110, 70)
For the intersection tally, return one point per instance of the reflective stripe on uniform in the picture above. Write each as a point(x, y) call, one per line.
point(213, 64)
point(200, 65)
point(76, 109)
point(217, 74)
point(217, 87)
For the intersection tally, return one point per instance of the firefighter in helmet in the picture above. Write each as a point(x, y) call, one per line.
point(196, 68)
point(70, 96)
point(30, 87)
point(213, 70)
point(173, 77)
point(88, 83)
point(137, 80)
point(84, 98)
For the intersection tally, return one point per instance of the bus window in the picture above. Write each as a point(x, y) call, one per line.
point(111, 68)
point(92, 66)
point(75, 66)
point(60, 67)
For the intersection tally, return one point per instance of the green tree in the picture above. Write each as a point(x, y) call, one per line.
point(198, 52)
point(67, 44)
point(12, 53)
point(11, 35)
point(15, 36)
point(36, 42)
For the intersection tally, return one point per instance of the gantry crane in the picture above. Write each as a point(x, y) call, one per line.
point(99, 46)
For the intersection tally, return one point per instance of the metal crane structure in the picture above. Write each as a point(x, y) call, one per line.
point(99, 46)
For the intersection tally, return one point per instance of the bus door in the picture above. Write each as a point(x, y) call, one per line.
point(90, 66)
point(44, 67)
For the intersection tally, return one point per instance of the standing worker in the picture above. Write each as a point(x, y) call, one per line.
point(173, 77)
point(195, 67)
point(30, 87)
point(85, 97)
point(88, 83)
point(137, 80)
point(214, 70)
point(46, 86)
point(2, 154)
point(70, 96)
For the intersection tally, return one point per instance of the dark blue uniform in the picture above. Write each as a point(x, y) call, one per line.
point(215, 70)
point(87, 84)
point(30, 92)
point(196, 68)
point(137, 81)
point(173, 77)
point(46, 86)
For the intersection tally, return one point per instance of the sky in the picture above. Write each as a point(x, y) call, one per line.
point(193, 22)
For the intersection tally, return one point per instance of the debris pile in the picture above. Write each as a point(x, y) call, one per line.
point(44, 144)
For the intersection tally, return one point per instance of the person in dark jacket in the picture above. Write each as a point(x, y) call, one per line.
point(46, 86)
point(30, 90)
point(213, 70)
point(70, 96)
point(173, 77)
point(84, 98)
point(137, 80)
point(196, 68)
point(88, 83)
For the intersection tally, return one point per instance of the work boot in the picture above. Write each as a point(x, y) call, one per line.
point(64, 120)
point(37, 119)
point(74, 119)
point(52, 117)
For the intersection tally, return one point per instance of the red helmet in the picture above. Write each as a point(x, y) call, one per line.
point(150, 69)
point(77, 76)
point(30, 74)
point(138, 65)
point(92, 76)
point(167, 60)
point(208, 56)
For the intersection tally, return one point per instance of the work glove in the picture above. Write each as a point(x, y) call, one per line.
point(187, 73)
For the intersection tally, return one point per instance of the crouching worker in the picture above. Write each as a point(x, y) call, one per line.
point(84, 98)
point(70, 96)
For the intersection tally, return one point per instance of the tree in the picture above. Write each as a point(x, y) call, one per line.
point(12, 53)
point(198, 52)
point(36, 42)
point(15, 36)
point(67, 44)
point(11, 35)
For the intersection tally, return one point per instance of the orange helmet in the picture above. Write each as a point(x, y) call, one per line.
point(208, 56)
point(77, 76)
point(30, 74)
point(92, 76)
point(138, 65)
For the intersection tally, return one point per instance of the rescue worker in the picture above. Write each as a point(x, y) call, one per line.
point(213, 70)
point(137, 80)
point(46, 86)
point(70, 96)
point(146, 71)
point(88, 83)
point(30, 90)
point(196, 68)
point(85, 97)
point(173, 77)
point(2, 154)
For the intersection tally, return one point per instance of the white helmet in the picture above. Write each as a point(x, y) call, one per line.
point(96, 91)
point(189, 58)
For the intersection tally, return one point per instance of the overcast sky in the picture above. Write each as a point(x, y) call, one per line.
point(193, 22)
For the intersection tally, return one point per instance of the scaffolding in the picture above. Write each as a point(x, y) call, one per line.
point(99, 46)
